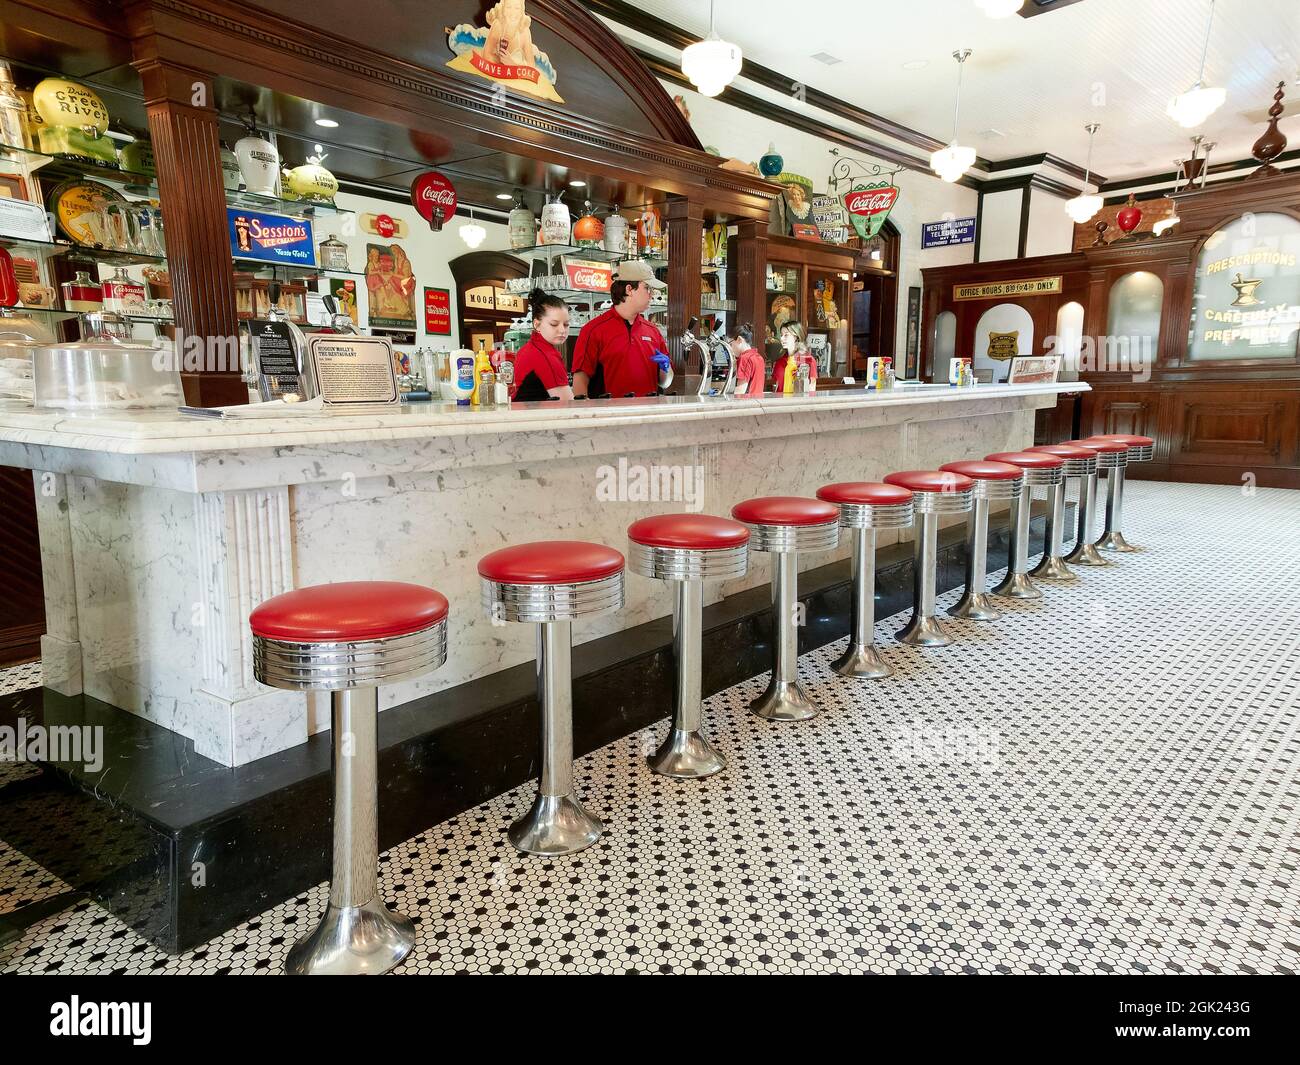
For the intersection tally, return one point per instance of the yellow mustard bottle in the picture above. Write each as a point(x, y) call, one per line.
point(787, 385)
point(481, 363)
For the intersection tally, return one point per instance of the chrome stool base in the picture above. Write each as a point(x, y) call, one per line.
point(1017, 586)
point(1114, 541)
point(686, 755)
point(555, 824)
point(784, 700)
point(1087, 555)
point(863, 662)
point(924, 632)
point(1053, 568)
point(975, 606)
point(353, 940)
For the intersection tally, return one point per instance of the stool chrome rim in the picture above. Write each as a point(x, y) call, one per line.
point(1112, 460)
point(1080, 467)
point(1044, 478)
point(355, 664)
point(997, 489)
point(689, 563)
point(875, 515)
point(785, 538)
point(532, 603)
point(1142, 453)
point(942, 502)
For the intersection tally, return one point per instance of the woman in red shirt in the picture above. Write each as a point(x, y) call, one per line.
point(751, 369)
point(539, 364)
point(794, 341)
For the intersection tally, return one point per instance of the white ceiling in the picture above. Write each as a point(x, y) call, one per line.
point(1035, 81)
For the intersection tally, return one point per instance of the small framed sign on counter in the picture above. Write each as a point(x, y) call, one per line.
point(1034, 369)
point(354, 370)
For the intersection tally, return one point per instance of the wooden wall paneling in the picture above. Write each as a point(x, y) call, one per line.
point(747, 275)
point(684, 222)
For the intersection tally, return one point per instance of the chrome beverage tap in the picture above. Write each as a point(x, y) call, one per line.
point(717, 366)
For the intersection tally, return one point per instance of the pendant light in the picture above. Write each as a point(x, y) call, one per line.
point(1086, 204)
point(999, 8)
point(1200, 101)
point(712, 63)
point(1171, 219)
point(471, 232)
point(954, 159)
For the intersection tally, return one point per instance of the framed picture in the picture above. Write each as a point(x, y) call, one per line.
point(912, 352)
point(1034, 369)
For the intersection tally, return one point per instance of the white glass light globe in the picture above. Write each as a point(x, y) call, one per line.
point(472, 234)
point(711, 64)
point(1196, 105)
point(1083, 207)
point(952, 161)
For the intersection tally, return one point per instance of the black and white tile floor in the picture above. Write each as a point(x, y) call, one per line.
point(1105, 782)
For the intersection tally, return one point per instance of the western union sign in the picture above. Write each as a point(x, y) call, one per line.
point(1033, 286)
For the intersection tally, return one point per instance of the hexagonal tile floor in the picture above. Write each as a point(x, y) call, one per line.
point(1103, 782)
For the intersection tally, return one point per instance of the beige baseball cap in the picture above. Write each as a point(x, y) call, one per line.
point(637, 270)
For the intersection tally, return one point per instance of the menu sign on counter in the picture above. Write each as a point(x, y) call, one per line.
point(353, 370)
point(276, 358)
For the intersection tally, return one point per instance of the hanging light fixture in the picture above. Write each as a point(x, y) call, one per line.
point(953, 160)
point(471, 232)
point(1171, 219)
point(1200, 101)
point(712, 63)
point(1086, 204)
point(999, 8)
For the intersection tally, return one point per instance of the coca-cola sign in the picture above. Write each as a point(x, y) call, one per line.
point(384, 225)
point(434, 197)
point(589, 276)
point(869, 205)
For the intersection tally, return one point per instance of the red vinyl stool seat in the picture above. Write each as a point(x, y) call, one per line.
point(1140, 448)
point(553, 583)
point(687, 549)
point(934, 492)
point(348, 639)
point(784, 526)
point(866, 506)
point(993, 481)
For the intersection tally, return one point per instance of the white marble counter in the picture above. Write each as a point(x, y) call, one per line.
point(160, 532)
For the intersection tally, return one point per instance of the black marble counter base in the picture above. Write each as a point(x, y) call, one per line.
point(183, 848)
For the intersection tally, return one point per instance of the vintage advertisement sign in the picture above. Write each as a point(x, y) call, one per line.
point(1033, 286)
point(437, 312)
point(947, 231)
point(831, 219)
point(434, 197)
point(586, 276)
point(390, 285)
point(869, 205)
point(270, 238)
point(503, 51)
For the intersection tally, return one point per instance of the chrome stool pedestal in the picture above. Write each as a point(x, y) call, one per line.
point(994, 482)
point(552, 584)
point(1040, 471)
point(300, 643)
point(934, 492)
point(1080, 462)
point(688, 549)
point(1085, 551)
point(864, 508)
point(1140, 449)
point(783, 526)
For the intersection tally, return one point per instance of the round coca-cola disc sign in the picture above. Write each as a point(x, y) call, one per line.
point(432, 192)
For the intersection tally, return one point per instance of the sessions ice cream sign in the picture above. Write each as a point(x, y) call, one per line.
point(503, 51)
point(270, 238)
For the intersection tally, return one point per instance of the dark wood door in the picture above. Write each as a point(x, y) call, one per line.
point(22, 598)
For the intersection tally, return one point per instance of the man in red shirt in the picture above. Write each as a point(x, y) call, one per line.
point(619, 352)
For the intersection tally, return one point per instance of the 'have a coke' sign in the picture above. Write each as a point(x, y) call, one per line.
point(434, 197)
point(869, 205)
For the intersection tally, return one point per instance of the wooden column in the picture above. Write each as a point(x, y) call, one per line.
point(747, 259)
point(187, 147)
point(685, 222)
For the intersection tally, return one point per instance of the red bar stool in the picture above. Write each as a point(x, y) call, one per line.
point(1085, 551)
point(348, 639)
point(1140, 449)
point(553, 584)
point(784, 526)
point(993, 481)
point(1080, 462)
point(1040, 471)
point(865, 507)
point(688, 549)
point(934, 492)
